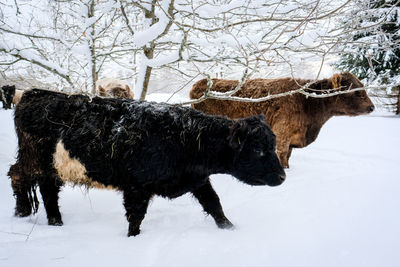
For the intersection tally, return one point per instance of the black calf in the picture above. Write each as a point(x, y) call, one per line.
point(142, 149)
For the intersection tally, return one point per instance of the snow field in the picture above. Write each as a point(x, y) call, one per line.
point(338, 207)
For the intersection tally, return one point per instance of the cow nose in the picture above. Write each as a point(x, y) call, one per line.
point(370, 108)
point(282, 177)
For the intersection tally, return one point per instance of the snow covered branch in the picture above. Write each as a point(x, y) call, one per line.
point(79, 41)
point(304, 90)
point(26, 56)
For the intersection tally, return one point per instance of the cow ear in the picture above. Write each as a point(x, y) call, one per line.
point(101, 90)
point(238, 133)
point(336, 80)
point(128, 91)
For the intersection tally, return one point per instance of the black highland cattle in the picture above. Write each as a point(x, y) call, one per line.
point(140, 148)
point(7, 93)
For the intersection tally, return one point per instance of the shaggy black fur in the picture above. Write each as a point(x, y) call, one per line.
point(7, 93)
point(140, 148)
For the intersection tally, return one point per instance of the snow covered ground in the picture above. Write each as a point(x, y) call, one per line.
point(339, 207)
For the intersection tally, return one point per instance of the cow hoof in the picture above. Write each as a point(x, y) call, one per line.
point(23, 212)
point(134, 232)
point(55, 221)
point(225, 225)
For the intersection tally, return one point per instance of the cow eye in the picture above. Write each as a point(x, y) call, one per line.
point(259, 152)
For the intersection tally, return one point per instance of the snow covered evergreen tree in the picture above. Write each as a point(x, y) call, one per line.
point(372, 51)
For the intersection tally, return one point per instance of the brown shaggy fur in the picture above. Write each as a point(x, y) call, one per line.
point(110, 87)
point(295, 120)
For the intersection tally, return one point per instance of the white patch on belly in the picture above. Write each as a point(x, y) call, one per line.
point(70, 170)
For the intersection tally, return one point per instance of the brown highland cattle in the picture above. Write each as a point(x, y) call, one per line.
point(296, 120)
point(110, 87)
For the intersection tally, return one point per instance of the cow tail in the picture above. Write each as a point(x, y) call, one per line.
point(33, 200)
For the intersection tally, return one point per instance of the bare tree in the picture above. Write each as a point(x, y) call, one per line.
point(71, 40)
point(85, 39)
point(192, 37)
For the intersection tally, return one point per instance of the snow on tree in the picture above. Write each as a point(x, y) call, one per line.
point(73, 43)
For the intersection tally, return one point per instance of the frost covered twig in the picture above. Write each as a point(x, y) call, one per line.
point(137, 40)
point(304, 90)
point(46, 65)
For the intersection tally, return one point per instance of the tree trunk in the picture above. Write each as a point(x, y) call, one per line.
point(93, 48)
point(149, 53)
point(146, 82)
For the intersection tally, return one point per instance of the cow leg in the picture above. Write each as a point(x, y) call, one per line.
point(283, 151)
point(136, 204)
point(49, 186)
point(209, 199)
point(23, 205)
point(24, 201)
point(49, 183)
point(21, 185)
